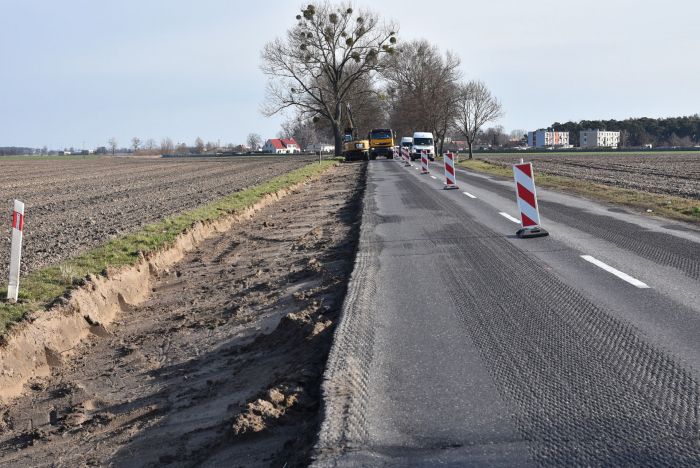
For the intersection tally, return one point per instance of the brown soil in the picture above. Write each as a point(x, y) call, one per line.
point(675, 174)
point(73, 205)
point(221, 366)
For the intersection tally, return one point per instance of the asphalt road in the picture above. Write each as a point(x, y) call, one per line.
point(461, 344)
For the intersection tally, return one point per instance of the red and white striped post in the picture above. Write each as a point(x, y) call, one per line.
point(424, 169)
point(395, 153)
point(526, 196)
point(16, 251)
point(450, 177)
point(406, 156)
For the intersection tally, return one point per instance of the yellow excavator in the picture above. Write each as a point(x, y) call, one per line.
point(353, 147)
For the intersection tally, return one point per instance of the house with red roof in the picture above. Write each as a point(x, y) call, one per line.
point(281, 146)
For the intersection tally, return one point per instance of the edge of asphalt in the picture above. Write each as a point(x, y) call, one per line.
point(344, 389)
point(34, 346)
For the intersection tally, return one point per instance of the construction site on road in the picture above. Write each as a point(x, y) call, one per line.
point(380, 313)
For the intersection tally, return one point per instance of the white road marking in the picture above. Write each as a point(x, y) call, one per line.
point(469, 194)
point(433, 177)
point(616, 272)
point(509, 217)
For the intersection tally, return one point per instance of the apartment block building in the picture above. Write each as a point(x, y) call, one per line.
point(544, 138)
point(599, 139)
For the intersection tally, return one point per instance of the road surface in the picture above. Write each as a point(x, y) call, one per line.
point(461, 344)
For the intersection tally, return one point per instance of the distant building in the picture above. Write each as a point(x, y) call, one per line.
point(599, 139)
point(281, 146)
point(544, 139)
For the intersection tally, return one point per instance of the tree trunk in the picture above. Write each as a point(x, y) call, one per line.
point(338, 136)
point(471, 156)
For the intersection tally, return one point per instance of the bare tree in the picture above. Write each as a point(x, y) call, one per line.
point(422, 89)
point(315, 68)
point(150, 144)
point(112, 143)
point(517, 134)
point(135, 143)
point(476, 107)
point(302, 131)
point(198, 146)
point(493, 136)
point(167, 146)
point(254, 141)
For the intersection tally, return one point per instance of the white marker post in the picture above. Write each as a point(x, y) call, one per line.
point(16, 251)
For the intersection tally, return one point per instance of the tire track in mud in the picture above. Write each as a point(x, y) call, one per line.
point(222, 365)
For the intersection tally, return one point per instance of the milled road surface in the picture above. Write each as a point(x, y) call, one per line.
point(461, 344)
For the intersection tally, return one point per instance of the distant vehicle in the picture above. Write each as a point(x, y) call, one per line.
point(423, 141)
point(407, 142)
point(381, 142)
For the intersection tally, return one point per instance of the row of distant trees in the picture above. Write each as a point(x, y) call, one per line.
point(334, 56)
point(168, 146)
point(673, 131)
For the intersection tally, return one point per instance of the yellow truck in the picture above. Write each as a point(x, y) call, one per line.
point(381, 142)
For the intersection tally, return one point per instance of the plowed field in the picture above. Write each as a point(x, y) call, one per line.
point(73, 205)
point(665, 173)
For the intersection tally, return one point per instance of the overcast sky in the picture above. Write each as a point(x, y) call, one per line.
point(75, 71)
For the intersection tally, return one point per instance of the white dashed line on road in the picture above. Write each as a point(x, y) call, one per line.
point(469, 195)
point(433, 177)
point(509, 217)
point(616, 272)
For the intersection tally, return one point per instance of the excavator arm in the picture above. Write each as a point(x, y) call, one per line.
point(350, 130)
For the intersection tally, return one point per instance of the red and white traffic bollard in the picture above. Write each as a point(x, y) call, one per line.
point(406, 156)
point(395, 153)
point(424, 169)
point(16, 251)
point(450, 177)
point(526, 196)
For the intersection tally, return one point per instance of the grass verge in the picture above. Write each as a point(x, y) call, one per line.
point(40, 288)
point(668, 206)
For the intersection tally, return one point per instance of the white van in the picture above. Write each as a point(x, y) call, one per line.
point(406, 142)
point(423, 141)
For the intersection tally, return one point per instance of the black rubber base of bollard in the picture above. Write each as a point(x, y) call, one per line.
point(527, 233)
point(450, 187)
